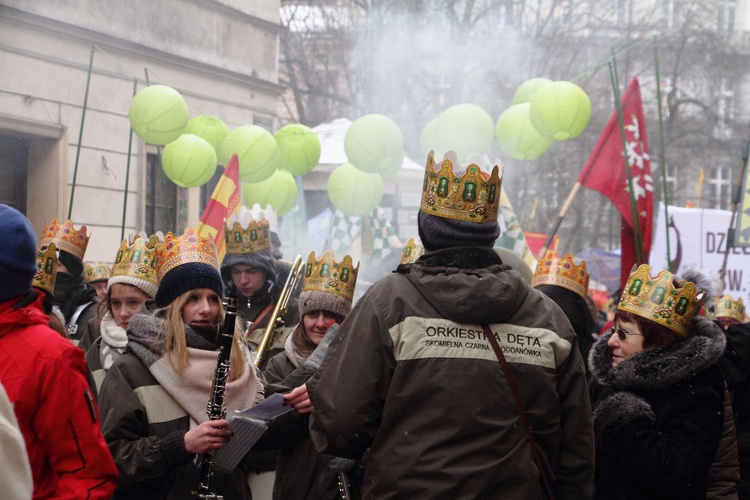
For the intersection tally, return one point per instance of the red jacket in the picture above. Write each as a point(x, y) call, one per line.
point(45, 378)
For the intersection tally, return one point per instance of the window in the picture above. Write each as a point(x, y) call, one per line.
point(671, 11)
point(671, 181)
point(264, 122)
point(720, 185)
point(506, 9)
point(726, 15)
point(724, 107)
point(14, 160)
point(621, 11)
point(161, 198)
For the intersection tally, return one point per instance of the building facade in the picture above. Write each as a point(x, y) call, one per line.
point(69, 72)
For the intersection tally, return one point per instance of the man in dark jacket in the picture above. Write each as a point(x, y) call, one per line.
point(412, 377)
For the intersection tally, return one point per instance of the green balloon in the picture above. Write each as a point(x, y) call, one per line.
point(189, 161)
point(353, 191)
point(560, 110)
point(299, 148)
point(256, 150)
point(428, 138)
point(158, 114)
point(527, 89)
point(466, 129)
point(208, 128)
point(374, 143)
point(279, 191)
point(517, 136)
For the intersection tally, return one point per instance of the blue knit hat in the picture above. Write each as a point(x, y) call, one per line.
point(17, 253)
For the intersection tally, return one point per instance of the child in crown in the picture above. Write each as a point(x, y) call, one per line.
point(154, 396)
point(659, 396)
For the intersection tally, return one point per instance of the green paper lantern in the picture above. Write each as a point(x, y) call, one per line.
point(189, 161)
point(466, 129)
point(374, 143)
point(158, 114)
point(353, 191)
point(560, 110)
point(209, 128)
point(299, 148)
point(279, 191)
point(428, 138)
point(518, 137)
point(527, 89)
point(256, 150)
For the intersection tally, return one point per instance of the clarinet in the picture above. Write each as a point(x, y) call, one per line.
point(216, 409)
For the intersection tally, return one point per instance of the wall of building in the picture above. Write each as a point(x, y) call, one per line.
point(221, 56)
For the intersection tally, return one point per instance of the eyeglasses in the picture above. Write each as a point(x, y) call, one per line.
point(622, 334)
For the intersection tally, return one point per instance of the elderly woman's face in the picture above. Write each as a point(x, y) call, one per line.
point(626, 341)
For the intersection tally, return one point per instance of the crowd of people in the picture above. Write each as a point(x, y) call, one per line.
point(461, 374)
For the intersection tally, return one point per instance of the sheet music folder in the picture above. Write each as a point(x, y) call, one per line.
point(248, 426)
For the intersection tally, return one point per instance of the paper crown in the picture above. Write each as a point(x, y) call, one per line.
point(190, 247)
point(411, 251)
point(254, 238)
point(727, 308)
point(137, 259)
point(327, 275)
point(95, 271)
point(552, 270)
point(658, 300)
point(472, 197)
point(46, 263)
point(65, 237)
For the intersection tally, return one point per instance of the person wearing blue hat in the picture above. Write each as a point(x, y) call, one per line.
point(46, 380)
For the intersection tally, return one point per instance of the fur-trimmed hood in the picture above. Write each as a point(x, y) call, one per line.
point(659, 368)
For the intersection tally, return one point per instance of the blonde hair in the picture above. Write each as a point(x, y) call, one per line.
point(172, 332)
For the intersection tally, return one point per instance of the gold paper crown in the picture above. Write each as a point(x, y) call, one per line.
point(411, 251)
point(327, 275)
point(658, 300)
point(65, 237)
point(137, 259)
point(190, 247)
point(46, 272)
point(254, 238)
point(95, 271)
point(472, 197)
point(727, 308)
point(552, 270)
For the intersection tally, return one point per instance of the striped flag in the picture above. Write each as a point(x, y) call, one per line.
point(225, 201)
point(512, 236)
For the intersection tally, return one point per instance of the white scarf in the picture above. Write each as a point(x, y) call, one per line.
point(114, 340)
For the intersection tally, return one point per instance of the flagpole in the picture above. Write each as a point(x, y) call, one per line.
point(560, 217)
point(662, 153)
point(633, 206)
point(127, 173)
point(736, 198)
point(80, 131)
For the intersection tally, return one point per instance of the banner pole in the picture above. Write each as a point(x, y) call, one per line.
point(662, 153)
point(633, 206)
point(80, 131)
point(127, 173)
point(560, 217)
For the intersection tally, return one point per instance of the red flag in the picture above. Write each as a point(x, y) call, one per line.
point(605, 172)
point(536, 242)
point(224, 202)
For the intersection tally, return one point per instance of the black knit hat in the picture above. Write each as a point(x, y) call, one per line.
point(188, 276)
point(441, 232)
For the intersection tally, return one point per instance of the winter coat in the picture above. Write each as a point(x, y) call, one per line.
point(145, 429)
point(45, 378)
point(411, 376)
point(735, 365)
point(301, 472)
point(658, 417)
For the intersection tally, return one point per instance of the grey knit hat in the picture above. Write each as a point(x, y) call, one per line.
point(262, 259)
point(316, 300)
point(441, 232)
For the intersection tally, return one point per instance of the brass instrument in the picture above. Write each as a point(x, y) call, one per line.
point(282, 304)
point(216, 408)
